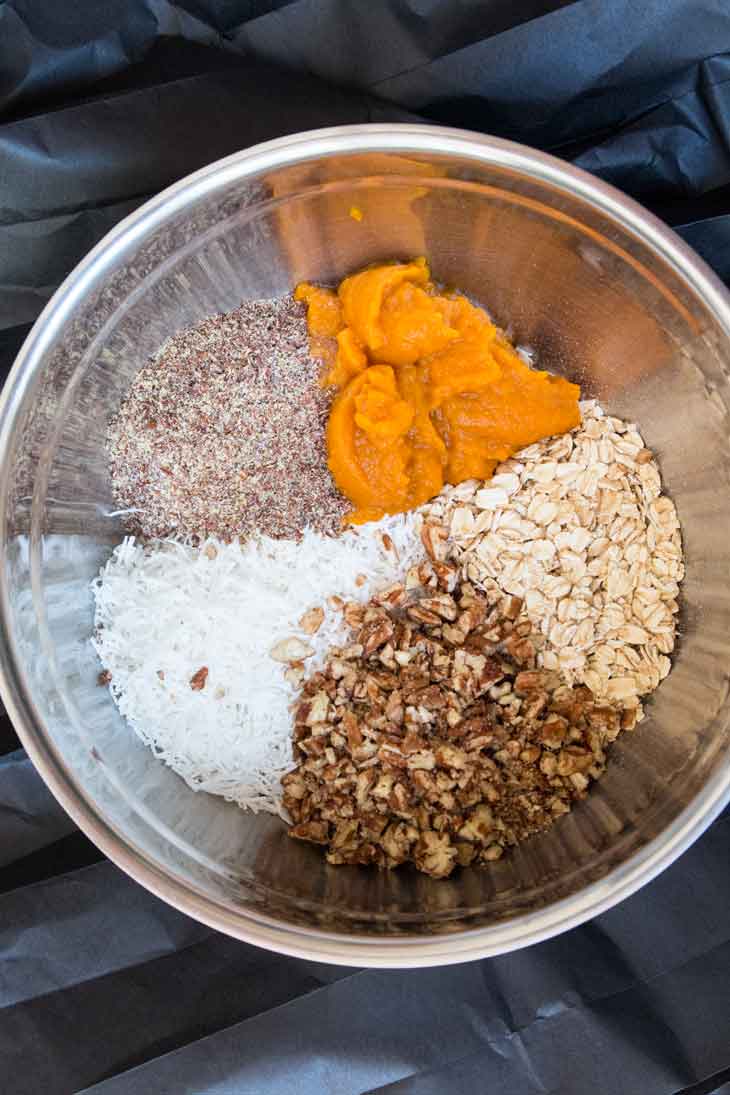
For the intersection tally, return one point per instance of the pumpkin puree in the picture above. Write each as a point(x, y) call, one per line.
point(429, 390)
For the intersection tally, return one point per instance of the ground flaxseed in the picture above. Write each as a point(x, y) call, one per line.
point(222, 434)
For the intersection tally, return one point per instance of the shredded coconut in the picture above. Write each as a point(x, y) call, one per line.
point(167, 610)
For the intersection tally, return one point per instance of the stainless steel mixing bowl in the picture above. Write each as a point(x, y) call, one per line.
point(599, 288)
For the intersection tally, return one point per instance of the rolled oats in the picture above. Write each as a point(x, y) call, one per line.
point(578, 526)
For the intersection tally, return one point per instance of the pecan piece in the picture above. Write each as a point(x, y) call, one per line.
point(511, 607)
point(442, 605)
point(431, 697)
point(316, 832)
point(554, 731)
point(197, 681)
point(391, 596)
point(421, 615)
point(397, 841)
point(374, 634)
point(574, 759)
point(479, 826)
point(435, 540)
point(446, 576)
point(532, 680)
point(435, 855)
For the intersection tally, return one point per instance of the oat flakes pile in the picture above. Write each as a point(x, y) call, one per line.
point(579, 527)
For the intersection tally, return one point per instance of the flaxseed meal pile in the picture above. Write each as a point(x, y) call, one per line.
point(222, 433)
point(414, 652)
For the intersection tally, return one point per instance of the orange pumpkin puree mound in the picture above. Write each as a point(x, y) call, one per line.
point(429, 391)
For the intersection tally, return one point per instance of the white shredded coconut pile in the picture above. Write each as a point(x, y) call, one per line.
point(166, 610)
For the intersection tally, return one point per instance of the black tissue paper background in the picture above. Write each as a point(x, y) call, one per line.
point(102, 987)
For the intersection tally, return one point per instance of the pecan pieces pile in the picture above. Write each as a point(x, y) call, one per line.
point(433, 738)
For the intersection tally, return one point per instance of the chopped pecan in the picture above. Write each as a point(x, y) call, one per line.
point(391, 755)
point(534, 705)
point(413, 742)
point(521, 649)
point(391, 596)
point(471, 617)
point(435, 855)
point(442, 605)
point(423, 760)
point(397, 841)
point(532, 680)
point(574, 759)
point(433, 738)
point(446, 576)
point(351, 726)
point(319, 707)
point(363, 784)
point(316, 832)
point(432, 698)
point(554, 731)
point(399, 800)
point(435, 540)
point(197, 681)
point(479, 826)
point(604, 718)
point(629, 717)
point(294, 786)
point(394, 709)
point(373, 634)
point(511, 607)
point(449, 756)
point(421, 615)
point(454, 635)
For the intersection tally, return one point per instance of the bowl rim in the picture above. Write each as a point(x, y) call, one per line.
point(249, 925)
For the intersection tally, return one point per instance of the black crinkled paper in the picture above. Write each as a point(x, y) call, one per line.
point(104, 988)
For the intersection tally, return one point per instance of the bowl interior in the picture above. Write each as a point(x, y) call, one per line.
point(596, 301)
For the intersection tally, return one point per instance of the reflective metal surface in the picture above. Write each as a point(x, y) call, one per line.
point(600, 289)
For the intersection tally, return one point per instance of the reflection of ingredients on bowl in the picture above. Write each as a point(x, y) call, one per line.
point(453, 670)
point(430, 391)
